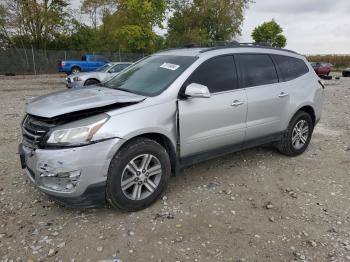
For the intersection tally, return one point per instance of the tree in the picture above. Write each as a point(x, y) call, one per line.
point(5, 39)
point(97, 9)
point(133, 24)
point(203, 21)
point(271, 33)
point(35, 22)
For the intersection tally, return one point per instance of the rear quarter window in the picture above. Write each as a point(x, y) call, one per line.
point(290, 67)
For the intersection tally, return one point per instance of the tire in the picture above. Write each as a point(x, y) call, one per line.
point(286, 145)
point(326, 77)
point(90, 82)
point(121, 170)
point(75, 70)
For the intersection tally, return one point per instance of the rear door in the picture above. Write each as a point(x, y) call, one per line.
point(216, 122)
point(266, 98)
point(292, 72)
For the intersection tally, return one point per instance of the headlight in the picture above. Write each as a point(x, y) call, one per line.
point(77, 133)
point(77, 79)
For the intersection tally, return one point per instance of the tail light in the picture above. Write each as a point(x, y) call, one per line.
point(322, 84)
point(60, 63)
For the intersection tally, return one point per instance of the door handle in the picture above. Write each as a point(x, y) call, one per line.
point(237, 103)
point(283, 94)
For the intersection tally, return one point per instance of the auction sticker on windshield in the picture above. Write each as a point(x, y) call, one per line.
point(170, 66)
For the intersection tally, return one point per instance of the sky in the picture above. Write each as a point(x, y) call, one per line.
point(311, 26)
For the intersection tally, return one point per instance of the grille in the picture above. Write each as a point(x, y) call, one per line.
point(33, 130)
point(68, 80)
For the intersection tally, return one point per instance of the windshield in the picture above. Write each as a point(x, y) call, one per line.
point(103, 68)
point(152, 75)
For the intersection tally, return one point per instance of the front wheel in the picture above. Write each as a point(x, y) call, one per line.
point(298, 135)
point(138, 174)
point(90, 82)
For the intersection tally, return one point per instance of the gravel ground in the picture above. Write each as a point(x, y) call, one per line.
point(255, 205)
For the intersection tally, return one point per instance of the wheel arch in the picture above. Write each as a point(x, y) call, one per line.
point(164, 141)
point(307, 109)
point(92, 78)
point(74, 66)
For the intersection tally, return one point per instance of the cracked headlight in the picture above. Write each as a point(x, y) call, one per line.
point(76, 133)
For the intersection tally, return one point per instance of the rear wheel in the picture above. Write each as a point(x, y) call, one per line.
point(298, 135)
point(138, 174)
point(75, 70)
point(90, 82)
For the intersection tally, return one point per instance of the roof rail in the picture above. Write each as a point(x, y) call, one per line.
point(190, 45)
point(233, 44)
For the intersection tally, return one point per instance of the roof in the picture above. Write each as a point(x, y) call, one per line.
point(118, 63)
point(182, 51)
point(234, 46)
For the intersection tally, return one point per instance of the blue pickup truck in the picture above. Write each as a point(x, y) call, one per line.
point(87, 63)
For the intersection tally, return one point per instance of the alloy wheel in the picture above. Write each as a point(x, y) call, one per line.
point(141, 177)
point(300, 134)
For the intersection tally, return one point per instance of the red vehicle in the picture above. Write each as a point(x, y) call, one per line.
point(322, 69)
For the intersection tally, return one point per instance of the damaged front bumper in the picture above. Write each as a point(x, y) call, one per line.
point(72, 176)
point(74, 84)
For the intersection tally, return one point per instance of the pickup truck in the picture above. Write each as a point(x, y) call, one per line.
point(87, 63)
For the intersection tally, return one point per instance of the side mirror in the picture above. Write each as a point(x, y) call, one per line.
point(197, 90)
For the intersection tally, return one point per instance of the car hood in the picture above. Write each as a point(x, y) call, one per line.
point(75, 100)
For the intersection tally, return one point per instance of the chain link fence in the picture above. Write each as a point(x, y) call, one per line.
point(30, 61)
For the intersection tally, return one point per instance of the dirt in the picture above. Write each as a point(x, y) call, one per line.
point(255, 205)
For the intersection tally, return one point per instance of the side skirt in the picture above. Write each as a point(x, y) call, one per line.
point(193, 159)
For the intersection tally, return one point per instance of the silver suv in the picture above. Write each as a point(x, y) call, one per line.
point(121, 141)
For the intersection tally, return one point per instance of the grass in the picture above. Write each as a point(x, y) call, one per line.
point(338, 61)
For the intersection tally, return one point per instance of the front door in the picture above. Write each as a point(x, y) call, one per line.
point(217, 122)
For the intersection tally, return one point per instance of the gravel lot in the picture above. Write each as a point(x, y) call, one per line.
point(256, 205)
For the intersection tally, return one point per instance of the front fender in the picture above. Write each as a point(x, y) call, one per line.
point(140, 119)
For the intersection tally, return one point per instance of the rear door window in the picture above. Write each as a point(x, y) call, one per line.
point(218, 74)
point(256, 70)
point(290, 67)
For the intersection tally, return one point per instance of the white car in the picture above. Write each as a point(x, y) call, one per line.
point(100, 75)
